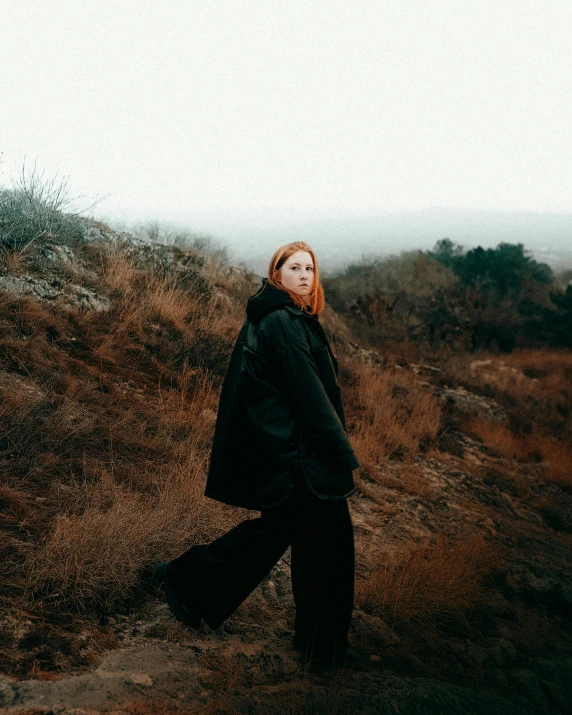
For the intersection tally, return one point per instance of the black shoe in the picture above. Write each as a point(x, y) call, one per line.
point(347, 659)
point(343, 659)
point(189, 615)
point(327, 655)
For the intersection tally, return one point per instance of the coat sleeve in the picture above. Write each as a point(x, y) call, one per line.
point(308, 397)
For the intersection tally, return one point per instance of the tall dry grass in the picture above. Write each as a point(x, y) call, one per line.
point(106, 422)
point(114, 528)
point(534, 388)
point(157, 311)
point(555, 456)
point(497, 437)
point(392, 415)
point(534, 385)
point(424, 584)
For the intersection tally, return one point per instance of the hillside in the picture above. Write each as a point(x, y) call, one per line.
point(112, 354)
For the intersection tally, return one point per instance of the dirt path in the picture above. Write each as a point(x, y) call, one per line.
point(238, 671)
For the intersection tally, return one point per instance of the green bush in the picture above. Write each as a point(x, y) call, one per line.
point(495, 299)
point(505, 269)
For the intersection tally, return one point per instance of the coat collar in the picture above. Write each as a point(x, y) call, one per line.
point(268, 298)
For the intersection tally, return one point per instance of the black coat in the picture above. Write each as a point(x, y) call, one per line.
point(280, 404)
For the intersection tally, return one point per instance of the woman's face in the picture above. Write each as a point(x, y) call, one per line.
point(297, 273)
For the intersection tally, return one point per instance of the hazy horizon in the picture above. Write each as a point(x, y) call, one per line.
point(259, 122)
point(342, 239)
point(300, 107)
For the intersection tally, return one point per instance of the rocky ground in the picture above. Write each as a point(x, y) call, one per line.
point(514, 655)
point(510, 654)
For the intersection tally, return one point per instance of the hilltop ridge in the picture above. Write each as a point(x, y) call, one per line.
point(112, 353)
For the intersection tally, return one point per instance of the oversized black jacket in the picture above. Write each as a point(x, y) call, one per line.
point(280, 405)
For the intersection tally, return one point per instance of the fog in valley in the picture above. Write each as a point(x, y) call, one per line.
point(345, 239)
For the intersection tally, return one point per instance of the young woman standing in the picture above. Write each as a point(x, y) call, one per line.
point(280, 447)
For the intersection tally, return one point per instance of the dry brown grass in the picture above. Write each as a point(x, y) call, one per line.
point(496, 437)
point(391, 414)
point(118, 269)
point(551, 367)
point(410, 480)
point(13, 261)
point(116, 527)
point(143, 296)
point(534, 388)
point(556, 457)
point(147, 706)
point(151, 307)
point(416, 483)
point(427, 583)
point(106, 422)
point(222, 671)
point(533, 385)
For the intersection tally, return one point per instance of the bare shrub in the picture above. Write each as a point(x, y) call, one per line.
point(37, 210)
point(170, 234)
point(408, 303)
point(428, 583)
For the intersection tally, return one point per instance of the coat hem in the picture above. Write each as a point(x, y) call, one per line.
point(243, 505)
point(329, 497)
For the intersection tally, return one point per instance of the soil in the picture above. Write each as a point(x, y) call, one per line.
point(511, 655)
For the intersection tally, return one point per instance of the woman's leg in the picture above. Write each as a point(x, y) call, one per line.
point(323, 573)
point(218, 577)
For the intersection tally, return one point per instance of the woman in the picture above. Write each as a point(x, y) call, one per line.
point(280, 447)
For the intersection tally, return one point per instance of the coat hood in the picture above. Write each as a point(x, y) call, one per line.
point(266, 299)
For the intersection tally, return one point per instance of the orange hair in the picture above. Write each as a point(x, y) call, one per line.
point(317, 301)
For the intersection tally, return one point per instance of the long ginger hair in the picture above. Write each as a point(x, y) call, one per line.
point(316, 295)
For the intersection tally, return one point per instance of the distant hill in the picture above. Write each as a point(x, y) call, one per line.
point(339, 240)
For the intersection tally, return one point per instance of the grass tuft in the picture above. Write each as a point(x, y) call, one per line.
point(392, 415)
point(426, 583)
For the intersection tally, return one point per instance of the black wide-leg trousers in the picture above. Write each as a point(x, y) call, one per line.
point(217, 577)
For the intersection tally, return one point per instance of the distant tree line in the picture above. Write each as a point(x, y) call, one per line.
point(496, 298)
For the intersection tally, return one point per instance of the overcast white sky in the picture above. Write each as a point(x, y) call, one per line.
point(247, 110)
